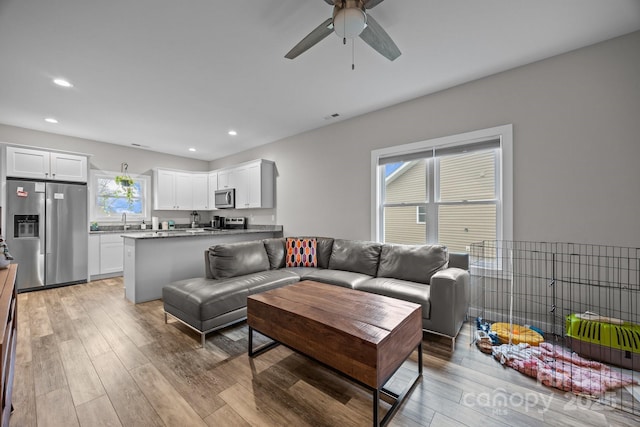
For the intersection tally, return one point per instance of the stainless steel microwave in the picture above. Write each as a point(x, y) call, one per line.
point(225, 199)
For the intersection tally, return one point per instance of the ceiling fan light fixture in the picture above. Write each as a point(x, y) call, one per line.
point(348, 23)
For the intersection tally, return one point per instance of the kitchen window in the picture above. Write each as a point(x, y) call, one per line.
point(453, 191)
point(109, 199)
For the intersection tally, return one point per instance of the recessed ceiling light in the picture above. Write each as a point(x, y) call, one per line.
point(50, 120)
point(233, 133)
point(62, 82)
point(192, 149)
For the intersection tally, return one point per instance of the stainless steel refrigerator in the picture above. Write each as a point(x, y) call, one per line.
point(46, 231)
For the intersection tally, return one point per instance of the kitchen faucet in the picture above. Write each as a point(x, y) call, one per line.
point(124, 219)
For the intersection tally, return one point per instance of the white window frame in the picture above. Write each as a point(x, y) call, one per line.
point(95, 215)
point(504, 226)
point(418, 215)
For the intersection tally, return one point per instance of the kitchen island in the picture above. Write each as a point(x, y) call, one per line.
point(153, 259)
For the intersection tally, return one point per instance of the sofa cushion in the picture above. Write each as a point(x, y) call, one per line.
point(301, 252)
point(275, 251)
point(355, 256)
point(412, 262)
point(400, 289)
point(346, 279)
point(237, 259)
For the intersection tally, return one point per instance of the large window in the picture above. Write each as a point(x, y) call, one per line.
point(454, 190)
point(109, 199)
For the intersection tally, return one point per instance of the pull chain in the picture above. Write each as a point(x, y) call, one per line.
point(353, 55)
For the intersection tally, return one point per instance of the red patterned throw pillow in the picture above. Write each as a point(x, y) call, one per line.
point(301, 253)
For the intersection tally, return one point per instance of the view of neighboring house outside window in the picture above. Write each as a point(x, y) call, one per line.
point(443, 194)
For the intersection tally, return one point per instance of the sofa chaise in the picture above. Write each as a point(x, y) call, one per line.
point(427, 275)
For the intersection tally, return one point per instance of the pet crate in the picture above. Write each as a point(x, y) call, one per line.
point(583, 297)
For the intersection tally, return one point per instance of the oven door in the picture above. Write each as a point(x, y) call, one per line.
point(225, 199)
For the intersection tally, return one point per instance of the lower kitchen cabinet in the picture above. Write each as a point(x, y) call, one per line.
point(106, 255)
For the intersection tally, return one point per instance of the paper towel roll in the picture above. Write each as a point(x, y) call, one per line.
point(154, 222)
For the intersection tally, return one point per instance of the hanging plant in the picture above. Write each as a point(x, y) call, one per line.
point(126, 183)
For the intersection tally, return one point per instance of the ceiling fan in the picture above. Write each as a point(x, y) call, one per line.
point(350, 20)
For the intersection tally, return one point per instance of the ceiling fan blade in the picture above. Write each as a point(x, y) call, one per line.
point(378, 39)
point(368, 4)
point(321, 31)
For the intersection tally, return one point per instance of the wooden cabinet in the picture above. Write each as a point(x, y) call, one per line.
point(8, 316)
point(40, 164)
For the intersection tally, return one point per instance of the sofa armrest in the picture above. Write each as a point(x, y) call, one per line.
point(449, 296)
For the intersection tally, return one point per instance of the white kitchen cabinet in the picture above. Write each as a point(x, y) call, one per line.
point(223, 179)
point(213, 186)
point(106, 255)
point(94, 254)
point(173, 190)
point(254, 182)
point(40, 164)
point(111, 253)
point(200, 191)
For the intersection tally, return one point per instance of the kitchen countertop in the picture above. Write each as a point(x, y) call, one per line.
point(182, 232)
point(195, 232)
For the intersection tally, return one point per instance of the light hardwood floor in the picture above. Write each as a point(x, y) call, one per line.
point(88, 357)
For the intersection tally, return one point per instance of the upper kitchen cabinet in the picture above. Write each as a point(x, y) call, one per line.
point(254, 183)
point(40, 164)
point(200, 191)
point(213, 186)
point(173, 190)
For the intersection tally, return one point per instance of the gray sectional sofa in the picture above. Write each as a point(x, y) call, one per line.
point(428, 275)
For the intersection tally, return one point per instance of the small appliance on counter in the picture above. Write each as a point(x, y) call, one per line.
point(235, 223)
point(217, 222)
point(172, 224)
point(195, 219)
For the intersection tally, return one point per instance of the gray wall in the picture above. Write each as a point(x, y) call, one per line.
point(576, 120)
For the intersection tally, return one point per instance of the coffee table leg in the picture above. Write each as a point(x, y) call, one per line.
point(261, 349)
point(397, 398)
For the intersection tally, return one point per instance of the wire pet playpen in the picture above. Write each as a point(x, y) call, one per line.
point(581, 297)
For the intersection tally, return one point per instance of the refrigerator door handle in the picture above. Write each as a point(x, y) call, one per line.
point(48, 226)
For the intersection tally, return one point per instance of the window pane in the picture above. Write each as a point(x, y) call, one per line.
point(461, 225)
point(406, 182)
point(468, 176)
point(115, 206)
point(400, 226)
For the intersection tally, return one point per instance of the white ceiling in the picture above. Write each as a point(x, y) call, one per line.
point(170, 75)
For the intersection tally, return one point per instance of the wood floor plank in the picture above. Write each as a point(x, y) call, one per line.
point(130, 404)
point(92, 340)
point(48, 373)
point(55, 409)
point(227, 417)
point(23, 343)
point(98, 413)
point(83, 380)
point(24, 397)
point(130, 327)
point(39, 322)
point(167, 402)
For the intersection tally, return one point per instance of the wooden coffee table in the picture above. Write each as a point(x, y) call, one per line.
point(364, 336)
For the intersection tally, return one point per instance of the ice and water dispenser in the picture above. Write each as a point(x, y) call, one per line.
point(26, 226)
